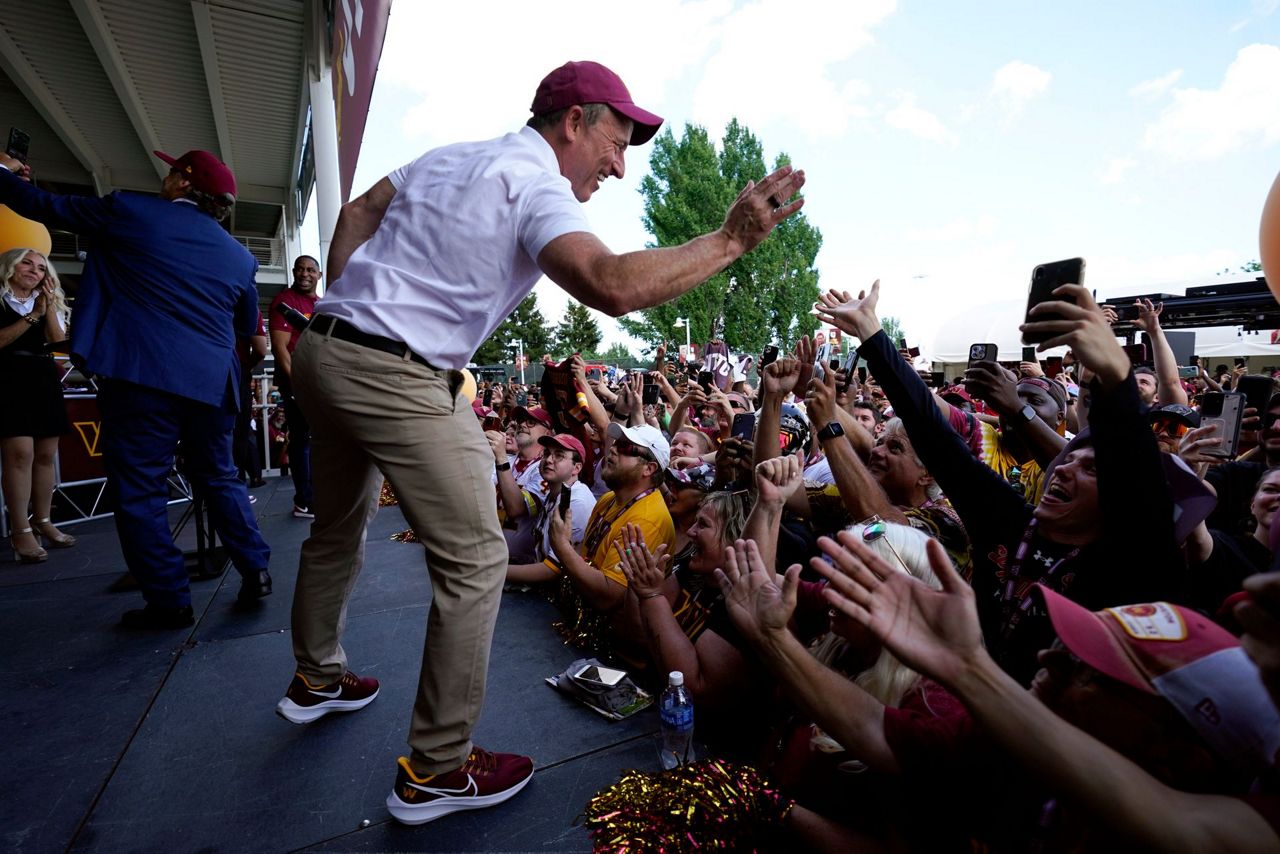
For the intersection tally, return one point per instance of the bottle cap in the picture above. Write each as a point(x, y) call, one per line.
point(675, 677)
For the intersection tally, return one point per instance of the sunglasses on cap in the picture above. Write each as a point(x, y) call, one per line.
point(1170, 427)
point(875, 528)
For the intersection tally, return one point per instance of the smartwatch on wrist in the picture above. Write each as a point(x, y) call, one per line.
point(1025, 415)
point(831, 431)
point(503, 466)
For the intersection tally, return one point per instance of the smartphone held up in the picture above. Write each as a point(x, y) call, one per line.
point(1045, 279)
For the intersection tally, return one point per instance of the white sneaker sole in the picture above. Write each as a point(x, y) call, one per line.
point(441, 807)
point(295, 714)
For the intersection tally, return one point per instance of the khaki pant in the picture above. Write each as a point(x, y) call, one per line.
point(374, 414)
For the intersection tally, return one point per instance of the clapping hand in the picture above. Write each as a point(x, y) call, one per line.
point(757, 604)
point(645, 571)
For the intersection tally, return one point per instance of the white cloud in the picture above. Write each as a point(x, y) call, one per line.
point(918, 122)
point(963, 228)
point(1114, 173)
point(1202, 124)
point(1156, 86)
point(1016, 83)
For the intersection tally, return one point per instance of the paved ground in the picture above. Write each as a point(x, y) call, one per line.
point(117, 741)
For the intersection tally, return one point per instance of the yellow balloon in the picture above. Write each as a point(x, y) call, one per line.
point(468, 389)
point(18, 232)
point(1269, 239)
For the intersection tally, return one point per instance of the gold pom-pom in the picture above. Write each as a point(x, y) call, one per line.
point(387, 498)
point(707, 805)
point(405, 536)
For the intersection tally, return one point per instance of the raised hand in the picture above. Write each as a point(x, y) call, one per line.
point(781, 376)
point(760, 207)
point(757, 605)
point(778, 478)
point(1082, 327)
point(989, 382)
point(856, 317)
point(1194, 443)
point(933, 631)
point(820, 400)
point(1148, 315)
point(645, 570)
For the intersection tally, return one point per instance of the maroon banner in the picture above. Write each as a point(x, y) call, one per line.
point(359, 28)
point(79, 452)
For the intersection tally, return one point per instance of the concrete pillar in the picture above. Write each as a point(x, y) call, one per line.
point(324, 134)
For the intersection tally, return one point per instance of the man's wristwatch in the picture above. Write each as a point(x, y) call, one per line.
point(505, 465)
point(831, 431)
point(1025, 415)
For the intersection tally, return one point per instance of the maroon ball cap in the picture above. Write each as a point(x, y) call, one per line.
point(206, 173)
point(592, 83)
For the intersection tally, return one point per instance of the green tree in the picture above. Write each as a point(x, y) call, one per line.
point(893, 328)
point(1254, 266)
point(526, 324)
point(578, 332)
point(617, 354)
point(767, 294)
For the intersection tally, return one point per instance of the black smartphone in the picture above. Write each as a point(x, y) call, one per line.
point(982, 353)
point(937, 379)
point(706, 379)
point(769, 356)
point(902, 343)
point(1222, 411)
point(1256, 390)
point(1052, 366)
point(1029, 354)
point(834, 364)
point(522, 398)
point(1239, 363)
point(487, 400)
point(1126, 313)
point(862, 373)
point(19, 144)
point(566, 496)
point(650, 395)
point(1137, 353)
point(744, 426)
point(1045, 279)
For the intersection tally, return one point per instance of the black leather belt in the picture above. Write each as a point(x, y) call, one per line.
point(327, 324)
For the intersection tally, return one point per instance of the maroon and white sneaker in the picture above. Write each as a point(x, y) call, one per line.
point(483, 780)
point(304, 702)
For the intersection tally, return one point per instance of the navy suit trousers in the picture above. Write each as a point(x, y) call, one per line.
point(141, 431)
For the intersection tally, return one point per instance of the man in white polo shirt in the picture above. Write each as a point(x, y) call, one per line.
point(423, 267)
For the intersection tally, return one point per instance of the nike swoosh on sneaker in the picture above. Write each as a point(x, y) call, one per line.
point(469, 790)
point(337, 692)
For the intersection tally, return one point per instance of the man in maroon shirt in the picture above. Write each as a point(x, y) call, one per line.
point(302, 297)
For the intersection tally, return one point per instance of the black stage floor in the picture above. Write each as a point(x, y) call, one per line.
point(119, 741)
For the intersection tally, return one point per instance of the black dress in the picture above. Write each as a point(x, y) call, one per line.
point(31, 382)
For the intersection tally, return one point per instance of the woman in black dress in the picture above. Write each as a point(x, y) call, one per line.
point(33, 312)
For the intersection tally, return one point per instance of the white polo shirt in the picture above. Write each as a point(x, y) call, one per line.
point(457, 249)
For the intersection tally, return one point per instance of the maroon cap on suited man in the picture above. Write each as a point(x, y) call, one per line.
point(206, 173)
point(592, 83)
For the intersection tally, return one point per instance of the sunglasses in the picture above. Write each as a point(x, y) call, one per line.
point(876, 528)
point(627, 449)
point(1169, 427)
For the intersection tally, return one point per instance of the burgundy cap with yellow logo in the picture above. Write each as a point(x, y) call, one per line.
point(206, 173)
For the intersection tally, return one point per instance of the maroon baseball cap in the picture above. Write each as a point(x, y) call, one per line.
point(206, 173)
point(564, 440)
point(537, 413)
point(592, 83)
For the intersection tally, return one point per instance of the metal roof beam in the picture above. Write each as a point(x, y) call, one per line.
point(94, 24)
point(213, 78)
point(262, 194)
point(40, 97)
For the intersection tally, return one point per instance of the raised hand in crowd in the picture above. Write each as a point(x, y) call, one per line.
point(1168, 385)
point(1030, 369)
point(1083, 327)
point(733, 463)
point(777, 481)
point(759, 601)
point(806, 351)
point(497, 444)
point(1195, 443)
point(994, 385)
point(854, 316)
point(781, 376)
point(16, 166)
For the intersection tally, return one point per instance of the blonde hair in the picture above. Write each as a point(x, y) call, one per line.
point(9, 264)
point(896, 427)
point(731, 509)
point(888, 680)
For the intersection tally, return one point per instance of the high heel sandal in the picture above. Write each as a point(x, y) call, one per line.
point(37, 556)
point(58, 540)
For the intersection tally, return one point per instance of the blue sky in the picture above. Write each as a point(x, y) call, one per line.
point(949, 147)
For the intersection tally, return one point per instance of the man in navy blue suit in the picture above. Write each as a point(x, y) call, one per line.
point(164, 294)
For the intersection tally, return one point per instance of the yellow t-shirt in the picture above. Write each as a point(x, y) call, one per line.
point(649, 513)
point(1001, 461)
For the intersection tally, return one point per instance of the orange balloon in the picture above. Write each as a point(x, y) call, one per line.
point(20, 233)
point(1269, 239)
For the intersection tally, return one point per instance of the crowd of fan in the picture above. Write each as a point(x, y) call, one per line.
point(1013, 599)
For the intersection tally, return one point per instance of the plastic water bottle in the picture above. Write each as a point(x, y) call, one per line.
point(676, 710)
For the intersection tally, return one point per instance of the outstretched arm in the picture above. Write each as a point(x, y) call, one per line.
point(617, 284)
point(357, 222)
point(936, 632)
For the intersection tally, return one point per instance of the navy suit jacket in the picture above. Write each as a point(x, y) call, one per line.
point(165, 289)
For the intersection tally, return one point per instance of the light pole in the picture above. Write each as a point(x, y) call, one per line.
point(520, 358)
point(688, 346)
